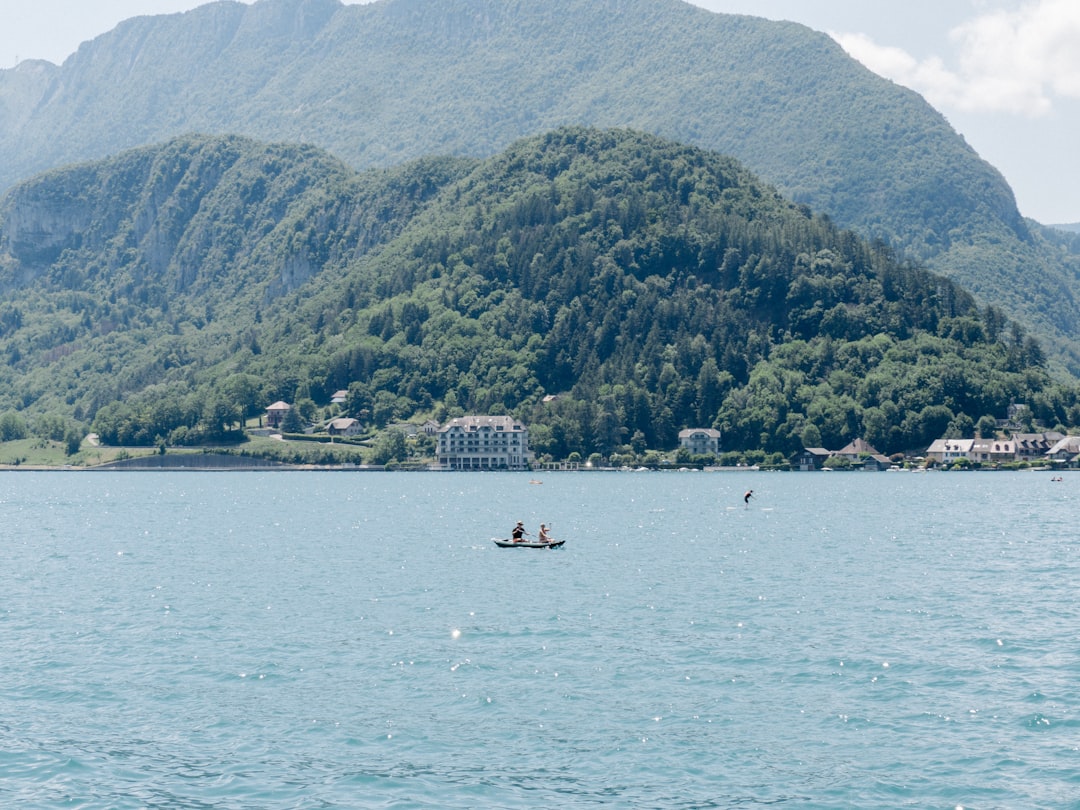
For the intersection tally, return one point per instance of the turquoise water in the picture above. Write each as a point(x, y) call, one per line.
point(355, 640)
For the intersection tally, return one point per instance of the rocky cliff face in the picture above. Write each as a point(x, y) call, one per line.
point(174, 219)
point(41, 221)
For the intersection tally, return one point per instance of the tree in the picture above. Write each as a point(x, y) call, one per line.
point(306, 408)
point(12, 427)
point(242, 390)
point(986, 427)
point(390, 446)
point(811, 436)
point(932, 422)
point(358, 403)
point(72, 440)
point(961, 427)
point(220, 415)
point(711, 387)
point(292, 423)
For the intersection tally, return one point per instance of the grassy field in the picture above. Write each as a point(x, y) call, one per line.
point(38, 453)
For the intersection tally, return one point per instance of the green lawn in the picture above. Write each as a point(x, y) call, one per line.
point(37, 452)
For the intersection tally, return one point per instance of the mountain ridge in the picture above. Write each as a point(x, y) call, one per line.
point(168, 293)
point(386, 82)
point(307, 44)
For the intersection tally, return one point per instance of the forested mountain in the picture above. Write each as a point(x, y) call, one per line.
point(380, 83)
point(170, 291)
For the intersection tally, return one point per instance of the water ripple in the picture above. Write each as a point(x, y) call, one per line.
point(355, 641)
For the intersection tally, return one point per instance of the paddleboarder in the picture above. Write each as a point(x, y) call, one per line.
point(746, 498)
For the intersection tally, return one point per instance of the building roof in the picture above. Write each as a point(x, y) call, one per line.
point(1067, 444)
point(504, 423)
point(951, 446)
point(279, 406)
point(688, 432)
point(1036, 441)
point(857, 448)
point(994, 446)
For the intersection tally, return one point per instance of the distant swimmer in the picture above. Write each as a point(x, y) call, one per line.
point(746, 498)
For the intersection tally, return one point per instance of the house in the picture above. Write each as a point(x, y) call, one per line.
point(1015, 416)
point(877, 463)
point(856, 451)
point(1035, 446)
point(276, 413)
point(700, 441)
point(483, 443)
point(339, 397)
point(945, 451)
point(811, 458)
point(1065, 450)
point(345, 426)
point(990, 451)
point(431, 427)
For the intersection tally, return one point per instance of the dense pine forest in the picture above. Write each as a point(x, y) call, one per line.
point(607, 287)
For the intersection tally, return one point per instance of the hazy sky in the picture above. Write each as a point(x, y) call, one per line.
point(1006, 73)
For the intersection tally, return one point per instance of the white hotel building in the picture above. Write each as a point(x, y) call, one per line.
point(484, 443)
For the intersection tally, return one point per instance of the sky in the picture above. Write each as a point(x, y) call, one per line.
point(1005, 73)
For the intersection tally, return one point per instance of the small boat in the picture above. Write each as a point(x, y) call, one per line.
point(503, 543)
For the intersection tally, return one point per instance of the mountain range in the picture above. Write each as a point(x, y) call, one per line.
point(385, 82)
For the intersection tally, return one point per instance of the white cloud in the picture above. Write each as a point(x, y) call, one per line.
point(1006, 61)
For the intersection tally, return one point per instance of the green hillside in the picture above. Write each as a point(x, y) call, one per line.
point(172, 291)
point(381, 83)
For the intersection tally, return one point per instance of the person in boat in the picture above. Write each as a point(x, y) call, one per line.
point(543, 536)
point(518, 534)
point(746, 498)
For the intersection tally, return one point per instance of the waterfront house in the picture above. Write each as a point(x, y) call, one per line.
point(857, 451)
point(877, 463)
point(990, 451)
point(810, 458)
point(483, 443)
point(1035, 446)
point(1065, 451)
point(700, 441)
point(946, 451)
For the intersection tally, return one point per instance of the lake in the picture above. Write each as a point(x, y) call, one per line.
point(355, 640)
